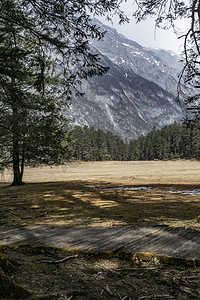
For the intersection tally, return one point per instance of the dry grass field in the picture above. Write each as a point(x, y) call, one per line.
point(92, 194)
point(69, 195)
point(134, 173)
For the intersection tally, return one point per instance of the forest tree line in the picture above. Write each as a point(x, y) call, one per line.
point(173, 141)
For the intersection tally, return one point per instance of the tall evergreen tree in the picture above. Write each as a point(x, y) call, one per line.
point(31, 124)
point(44, 54)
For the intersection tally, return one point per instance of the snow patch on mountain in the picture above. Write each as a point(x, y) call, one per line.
point(136, 94)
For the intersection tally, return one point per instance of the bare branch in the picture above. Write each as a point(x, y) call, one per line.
point(58, 261)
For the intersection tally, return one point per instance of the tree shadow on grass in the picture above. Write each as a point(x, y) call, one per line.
point(80, 204)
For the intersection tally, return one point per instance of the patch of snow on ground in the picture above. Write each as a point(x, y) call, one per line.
point(140, 188)
point(143, 188)
point(126, 45)
point(192, 192)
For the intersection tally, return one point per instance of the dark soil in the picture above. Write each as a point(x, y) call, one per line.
point(35, 272)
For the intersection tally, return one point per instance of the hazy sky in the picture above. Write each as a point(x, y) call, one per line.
point(144, 32)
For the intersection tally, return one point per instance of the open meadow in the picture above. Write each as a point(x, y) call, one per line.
point(106, 194)
point(156, 193)
point(134, 172)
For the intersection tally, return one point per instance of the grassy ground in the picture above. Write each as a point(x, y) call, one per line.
point(60, 196)
point(73, 204)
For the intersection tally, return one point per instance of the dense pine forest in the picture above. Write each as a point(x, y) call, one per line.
point(96, 145)
point(173, 141)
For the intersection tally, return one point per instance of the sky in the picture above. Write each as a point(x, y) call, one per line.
point(144, 32)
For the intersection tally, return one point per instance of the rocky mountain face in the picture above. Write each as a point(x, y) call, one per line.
point(168, 58)
point(137, 93)
point(158, 66)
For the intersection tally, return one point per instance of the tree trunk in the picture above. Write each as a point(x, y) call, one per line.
point(17, 178)
point(22, 164)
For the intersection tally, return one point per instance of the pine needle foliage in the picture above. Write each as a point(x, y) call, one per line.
point(44, 55)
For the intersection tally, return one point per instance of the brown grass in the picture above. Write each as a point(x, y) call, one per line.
point(61, 196)
point(143, 172)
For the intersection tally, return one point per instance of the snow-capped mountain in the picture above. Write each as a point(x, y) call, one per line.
point(157, 65)
point(137, 93)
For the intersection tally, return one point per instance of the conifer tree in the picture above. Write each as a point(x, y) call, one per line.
point(44, 54)
point(32, 127)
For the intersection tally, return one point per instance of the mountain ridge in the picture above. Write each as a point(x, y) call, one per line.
point(123, 101)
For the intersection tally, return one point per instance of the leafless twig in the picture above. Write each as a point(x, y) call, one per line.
point(120, 297)
point(59, 260)
point(129, 284)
